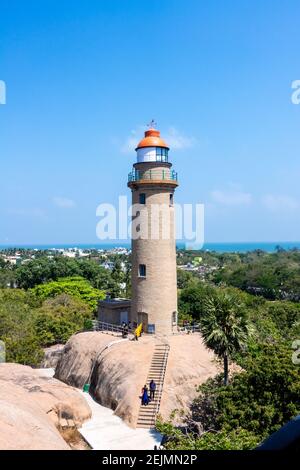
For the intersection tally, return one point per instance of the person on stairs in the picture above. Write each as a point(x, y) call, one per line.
point(152, 389)
point(145, 396)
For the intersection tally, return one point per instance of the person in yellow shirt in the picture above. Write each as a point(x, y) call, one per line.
point(138, 331)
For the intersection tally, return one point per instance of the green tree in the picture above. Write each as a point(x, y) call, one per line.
point(237, 439)
point(192, 297)
point(184, 278)
point(17, 328)
point(261, 399)
point(60, 317)
point(224, 325)
point(73, 286)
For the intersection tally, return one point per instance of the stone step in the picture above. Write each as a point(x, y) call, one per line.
point(151, 406)
point(147, 409)
point(146, 421)
point(145, 426)
point(146, 416)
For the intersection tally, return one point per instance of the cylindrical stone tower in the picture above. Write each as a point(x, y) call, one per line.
point(154, 280)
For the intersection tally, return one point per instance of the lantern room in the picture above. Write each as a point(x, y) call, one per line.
point(152, 148)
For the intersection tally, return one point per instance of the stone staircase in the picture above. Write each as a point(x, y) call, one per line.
point(147, 414)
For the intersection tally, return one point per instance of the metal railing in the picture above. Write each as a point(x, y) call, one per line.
point(188, 328)
point(156, 174)
point(162, 379)
point(166, 345)
point(111, 327)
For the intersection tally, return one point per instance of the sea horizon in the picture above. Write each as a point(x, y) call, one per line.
point(226, 247)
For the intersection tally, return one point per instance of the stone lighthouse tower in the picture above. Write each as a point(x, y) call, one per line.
point(154, 281)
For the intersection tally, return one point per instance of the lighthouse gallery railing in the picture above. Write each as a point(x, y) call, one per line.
point(153, 174)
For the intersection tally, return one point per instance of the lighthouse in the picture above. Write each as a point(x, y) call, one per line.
point(154, 281)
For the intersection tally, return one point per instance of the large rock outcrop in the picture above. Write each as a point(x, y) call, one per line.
point(79, 355)
point(52, 356)
point(29, 404)
point(117, 370)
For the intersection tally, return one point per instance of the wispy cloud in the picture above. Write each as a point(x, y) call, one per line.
point(132, 139)
point(64, 202)
point(231, 197)
point(178, 141)
point(172, 136)
point(280, 202)
point(34, 212)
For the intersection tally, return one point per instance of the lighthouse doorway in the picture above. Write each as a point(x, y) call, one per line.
point(143, 318)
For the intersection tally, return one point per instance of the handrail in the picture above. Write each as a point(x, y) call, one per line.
point(103, 326)
point(193, 329)
point(162, 377)
point(152, 174)
point(94, 361)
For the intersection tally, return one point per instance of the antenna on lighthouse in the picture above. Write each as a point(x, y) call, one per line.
point(152, 124)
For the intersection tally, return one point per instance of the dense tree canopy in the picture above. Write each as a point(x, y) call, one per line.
point(60, 317)
point(74, 286)
point(17, 329)
point(255, 404)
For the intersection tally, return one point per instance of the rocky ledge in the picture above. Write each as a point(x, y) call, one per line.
point(117, 370)
point(30, 404)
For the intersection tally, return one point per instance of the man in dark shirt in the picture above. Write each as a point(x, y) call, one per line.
point(152, 389)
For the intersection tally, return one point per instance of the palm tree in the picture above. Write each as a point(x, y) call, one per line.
point(224, 326)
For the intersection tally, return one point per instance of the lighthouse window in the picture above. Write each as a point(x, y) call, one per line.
point(142, 270)
point(161, 154)
point(171, 199)
point(142, 198)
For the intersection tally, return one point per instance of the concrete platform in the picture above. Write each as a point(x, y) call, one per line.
point(106, 431)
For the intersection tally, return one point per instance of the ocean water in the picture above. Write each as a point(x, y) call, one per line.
point(221, 247)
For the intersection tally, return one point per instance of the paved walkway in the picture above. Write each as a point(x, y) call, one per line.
point(106, 431)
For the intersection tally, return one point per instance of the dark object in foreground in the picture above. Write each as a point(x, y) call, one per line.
point(286, 438)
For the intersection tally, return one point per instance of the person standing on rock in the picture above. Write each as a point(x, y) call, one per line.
point(152, 389)
point(145, 396)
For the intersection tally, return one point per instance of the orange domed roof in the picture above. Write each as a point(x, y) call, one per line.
point(152, 139)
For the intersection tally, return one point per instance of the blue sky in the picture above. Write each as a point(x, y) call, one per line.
point(84, 77)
